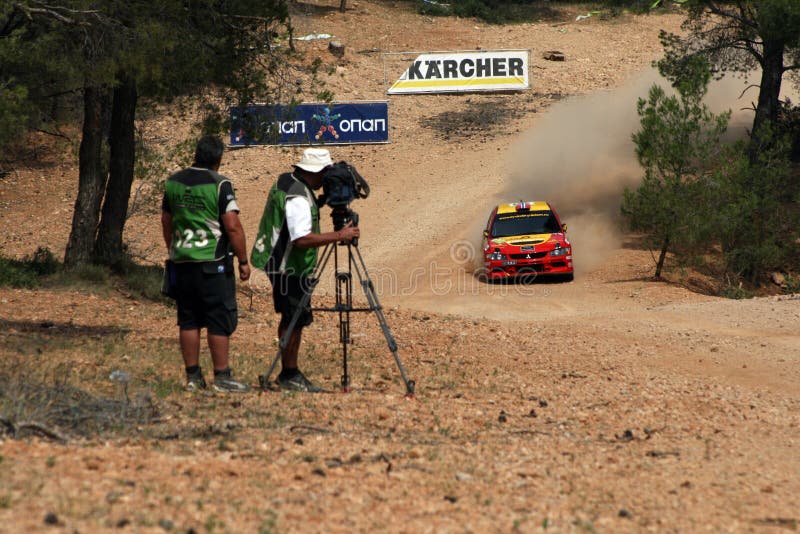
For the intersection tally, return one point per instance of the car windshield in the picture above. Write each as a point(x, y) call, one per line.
point(534, 222)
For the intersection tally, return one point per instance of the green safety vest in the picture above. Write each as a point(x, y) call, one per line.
point(197, 232)
point(273, 251)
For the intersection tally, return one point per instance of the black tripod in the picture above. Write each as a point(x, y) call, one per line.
point(343, 306)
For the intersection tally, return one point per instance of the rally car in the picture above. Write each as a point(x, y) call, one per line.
point(526, 240)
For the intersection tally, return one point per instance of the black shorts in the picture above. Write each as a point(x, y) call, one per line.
point(206, 298)
point(287, 292)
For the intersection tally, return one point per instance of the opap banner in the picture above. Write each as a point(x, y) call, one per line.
point(441, 72)
point(308, 124)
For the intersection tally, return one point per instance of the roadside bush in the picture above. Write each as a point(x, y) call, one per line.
point(792, 285)
point(42, 268)
point(491, 11)
point(507, 11)
point(27, 273)
point(142, 280)
point(752, 213)
point(789, 124)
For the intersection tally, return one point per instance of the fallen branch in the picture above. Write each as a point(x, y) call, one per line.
point(542, 432)
point(42, 430)
point(14, 429)
point(308, 429)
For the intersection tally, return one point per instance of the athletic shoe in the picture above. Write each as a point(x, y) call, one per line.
point(195, 382)
point(298, 383)
point(226, 384)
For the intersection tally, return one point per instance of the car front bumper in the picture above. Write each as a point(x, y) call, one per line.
point(500, 269)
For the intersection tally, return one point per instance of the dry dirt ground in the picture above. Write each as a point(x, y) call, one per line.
point(611, 403)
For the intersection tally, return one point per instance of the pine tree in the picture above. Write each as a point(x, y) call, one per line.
point(675, 144)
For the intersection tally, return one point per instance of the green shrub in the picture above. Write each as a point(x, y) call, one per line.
point(141, 280)
point(792, 285)
point(736, 292)
point(27, 272)
point(13, 274)
point(436, 9)
point(751, 209)
point(507, 11)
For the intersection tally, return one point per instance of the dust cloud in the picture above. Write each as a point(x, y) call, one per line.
point(580, 157)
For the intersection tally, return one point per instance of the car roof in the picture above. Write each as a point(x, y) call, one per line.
point(535, 205)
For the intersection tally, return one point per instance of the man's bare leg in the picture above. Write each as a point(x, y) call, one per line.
point(190, 346)
point(289, 354)
point(219, 346)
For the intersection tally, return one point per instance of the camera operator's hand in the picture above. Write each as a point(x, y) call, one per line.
point(349, 232)
point(244, 271)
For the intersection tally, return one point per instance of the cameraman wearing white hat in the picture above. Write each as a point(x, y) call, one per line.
point(285, 248)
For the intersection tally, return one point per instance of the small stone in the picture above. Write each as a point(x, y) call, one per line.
point(50, 519)
point(336, 48)
point(124, 522)
point(451, 498)
point(624, 513)
point(554, 55)
point(542, 403)
point(166, 524)
point(463, 477)
point(626, 436)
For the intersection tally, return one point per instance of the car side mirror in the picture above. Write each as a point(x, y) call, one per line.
point(564, 227)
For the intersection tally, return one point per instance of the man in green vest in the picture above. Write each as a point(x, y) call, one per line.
point(285, 248)
point(202, 231)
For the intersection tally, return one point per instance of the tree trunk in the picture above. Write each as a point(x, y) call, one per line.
point(91, 181)
point(769, 93)
point(108, 247)
point(662, 257)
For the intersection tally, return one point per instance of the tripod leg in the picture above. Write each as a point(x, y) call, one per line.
point(263, 380)
point(374, 304)
point(344, 303)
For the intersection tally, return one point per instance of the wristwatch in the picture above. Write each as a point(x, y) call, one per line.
point(243, 262)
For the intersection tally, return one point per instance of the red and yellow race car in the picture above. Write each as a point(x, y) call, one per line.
point(526, 240)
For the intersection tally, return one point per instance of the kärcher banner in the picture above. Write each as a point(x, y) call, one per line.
point(442, 72)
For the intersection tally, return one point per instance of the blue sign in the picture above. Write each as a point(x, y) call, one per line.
point(339, 123)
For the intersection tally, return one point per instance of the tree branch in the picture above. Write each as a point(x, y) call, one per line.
point(741, 19)
point(29, 12)
point(54, 134)
point(748, 88)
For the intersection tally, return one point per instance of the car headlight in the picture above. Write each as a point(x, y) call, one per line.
point(562, 251)
point(496, 255)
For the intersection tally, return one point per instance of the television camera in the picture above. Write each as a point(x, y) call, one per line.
point(342, 184)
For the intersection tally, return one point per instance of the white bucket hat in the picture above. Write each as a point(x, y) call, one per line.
point(315, 159)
